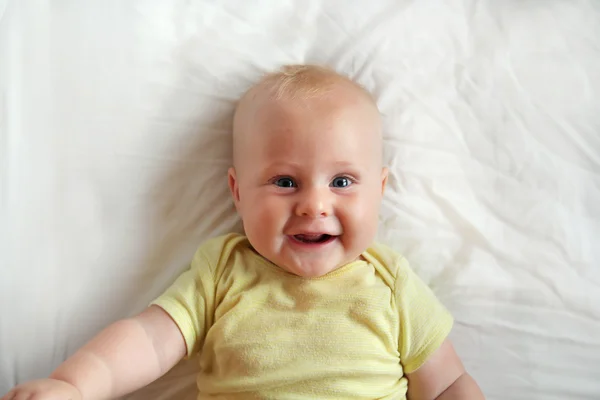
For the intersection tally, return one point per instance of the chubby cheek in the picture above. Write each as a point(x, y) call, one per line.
point(263, 217)
point(359, 220)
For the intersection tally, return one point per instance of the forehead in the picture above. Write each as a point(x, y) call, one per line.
point(331, 125)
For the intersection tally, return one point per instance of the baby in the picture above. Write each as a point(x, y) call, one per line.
point(305, 305)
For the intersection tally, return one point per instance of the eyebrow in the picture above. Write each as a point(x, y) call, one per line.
point(280, 164)
point(345, 164)
point(290, 164)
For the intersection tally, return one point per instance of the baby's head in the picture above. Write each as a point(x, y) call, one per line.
point(307, 176)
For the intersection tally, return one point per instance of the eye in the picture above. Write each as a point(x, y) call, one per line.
point(341, 182)
point(285, 182)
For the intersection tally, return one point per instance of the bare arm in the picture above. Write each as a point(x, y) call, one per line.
point(125, 356)
point(464, 387)
point(443, 377)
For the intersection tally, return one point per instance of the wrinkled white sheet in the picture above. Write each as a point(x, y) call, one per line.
point(115, 140)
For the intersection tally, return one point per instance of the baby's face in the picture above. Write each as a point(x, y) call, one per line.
point(308, 180)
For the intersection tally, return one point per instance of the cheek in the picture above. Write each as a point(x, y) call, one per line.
point(359, 215)
point(359, 207)
point(263, 212)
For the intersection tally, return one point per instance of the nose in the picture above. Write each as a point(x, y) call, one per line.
point(315, 203)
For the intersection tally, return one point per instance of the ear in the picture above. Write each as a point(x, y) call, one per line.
point(233, 187)
point(384, 178)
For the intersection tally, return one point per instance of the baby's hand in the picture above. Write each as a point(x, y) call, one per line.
point(44, 389)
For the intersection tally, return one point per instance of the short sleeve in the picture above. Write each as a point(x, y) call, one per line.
point(190, 302)
point(424, 321)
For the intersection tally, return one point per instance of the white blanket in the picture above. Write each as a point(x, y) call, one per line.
point(115, 121)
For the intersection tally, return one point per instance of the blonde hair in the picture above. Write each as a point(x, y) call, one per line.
point(304, 81)
point(291, 82)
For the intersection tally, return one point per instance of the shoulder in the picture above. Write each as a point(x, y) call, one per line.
point(383, 254)
point(393, 267)
point(218, 250)
point(389, 263)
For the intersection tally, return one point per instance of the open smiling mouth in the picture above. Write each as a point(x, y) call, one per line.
point(314, 238)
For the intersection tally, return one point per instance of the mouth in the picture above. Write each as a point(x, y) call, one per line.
point(313, 238)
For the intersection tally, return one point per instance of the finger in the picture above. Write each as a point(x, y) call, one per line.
point(9, 396)
point(21, 395)
point(16, 394)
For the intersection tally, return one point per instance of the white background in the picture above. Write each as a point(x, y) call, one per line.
point(115, 141)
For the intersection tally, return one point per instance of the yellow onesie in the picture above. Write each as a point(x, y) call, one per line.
point(263, 333)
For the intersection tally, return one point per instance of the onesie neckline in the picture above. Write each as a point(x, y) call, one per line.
point(362, 260)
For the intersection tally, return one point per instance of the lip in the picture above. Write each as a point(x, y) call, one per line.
point(313, 230)
point(311, 246)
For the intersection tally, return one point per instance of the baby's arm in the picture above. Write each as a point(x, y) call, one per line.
point(443, 377)
point(125, 356)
